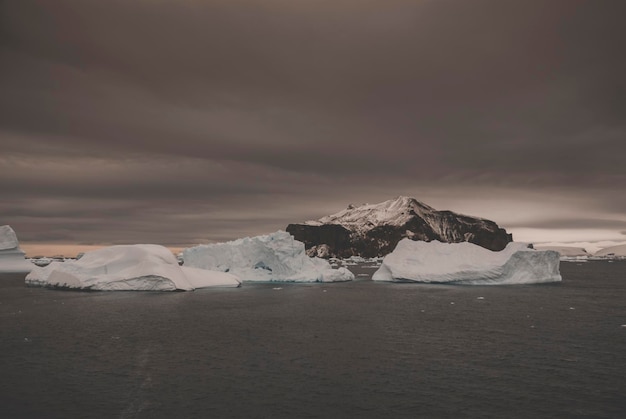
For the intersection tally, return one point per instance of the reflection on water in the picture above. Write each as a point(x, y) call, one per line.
point(359, 349)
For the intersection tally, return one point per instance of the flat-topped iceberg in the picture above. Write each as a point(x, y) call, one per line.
point(466, 263)
point(11, 256)
point(139, 267)
point(275, 257)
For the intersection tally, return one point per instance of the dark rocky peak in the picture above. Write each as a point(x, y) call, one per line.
point(370, 230)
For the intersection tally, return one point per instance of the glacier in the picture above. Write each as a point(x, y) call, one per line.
point(138, 267)
point(466, 263)
point(275, 257)
point(613, 252)
point(568, 253)
point(12, 259)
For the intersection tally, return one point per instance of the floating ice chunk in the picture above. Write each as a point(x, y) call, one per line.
point(140, 267)
point(11, 256)
point(275, 257)
point(466, 263)
point(8, 239)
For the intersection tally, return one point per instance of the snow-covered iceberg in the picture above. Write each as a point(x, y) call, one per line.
point(275, 257)
point(139, 267)
point(12, 258)
point(466, 263)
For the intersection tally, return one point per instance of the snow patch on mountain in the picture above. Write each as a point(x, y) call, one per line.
point(394, 212)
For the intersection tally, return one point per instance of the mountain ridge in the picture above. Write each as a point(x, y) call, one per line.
point(371, 230)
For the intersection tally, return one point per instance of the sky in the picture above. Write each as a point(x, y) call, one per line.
point(181, 122)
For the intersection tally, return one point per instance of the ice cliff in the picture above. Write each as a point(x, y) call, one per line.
point(466, 263)
point(11, 256)
point(275, 257)
point(139, 267)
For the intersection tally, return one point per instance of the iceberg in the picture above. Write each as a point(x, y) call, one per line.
point(466, 263)
point(12, 259)
point(139, 267)
point(275, 257)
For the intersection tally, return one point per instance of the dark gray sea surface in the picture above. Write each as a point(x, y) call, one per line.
point(359, 349)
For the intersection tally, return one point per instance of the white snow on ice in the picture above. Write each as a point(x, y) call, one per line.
point(12, 258)
point(466, 263)
point(275, 257)
point(393, 212)
point(139, 267)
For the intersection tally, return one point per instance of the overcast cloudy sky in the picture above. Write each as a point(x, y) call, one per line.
point(187, 121)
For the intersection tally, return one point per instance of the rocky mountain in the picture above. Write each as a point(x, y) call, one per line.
point(373, 230)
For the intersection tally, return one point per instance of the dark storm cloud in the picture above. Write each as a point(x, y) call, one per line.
point(276, 111)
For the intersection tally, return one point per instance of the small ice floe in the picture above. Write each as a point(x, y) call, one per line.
point(277, 288)
point(480, 298)
point(26, 340)
point(572, 308)
point(324, 290)
point(624, 326)
point(423, 311)
point(451, 302)
point(115, 337)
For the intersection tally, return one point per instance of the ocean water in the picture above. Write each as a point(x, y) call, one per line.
point(359, 349)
